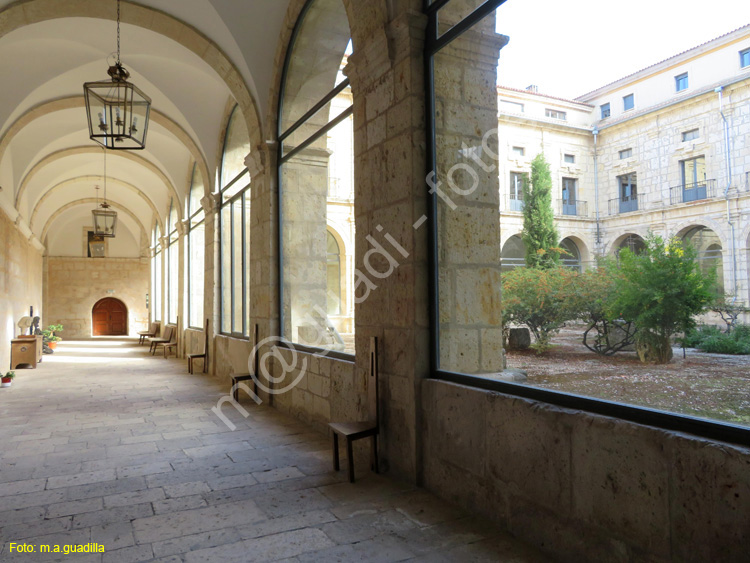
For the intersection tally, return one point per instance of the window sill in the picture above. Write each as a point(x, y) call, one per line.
point(704, 428)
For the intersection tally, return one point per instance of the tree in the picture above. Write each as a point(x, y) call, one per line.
point(539, 232)
point(604, 334)
point(539, 299)
point(660, 290)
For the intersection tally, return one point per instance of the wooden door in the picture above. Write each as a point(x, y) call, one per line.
point(110, 318)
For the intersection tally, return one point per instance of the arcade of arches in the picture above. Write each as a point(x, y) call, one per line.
point(283, 187)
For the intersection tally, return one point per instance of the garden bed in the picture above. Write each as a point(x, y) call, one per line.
point(714, 386)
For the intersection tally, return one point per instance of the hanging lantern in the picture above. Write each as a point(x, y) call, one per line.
point(105, 220)
point(117, 110)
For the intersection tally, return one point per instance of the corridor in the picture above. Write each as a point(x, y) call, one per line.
point(106, 445)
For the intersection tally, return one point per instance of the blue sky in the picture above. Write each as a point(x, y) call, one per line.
point(570, 47)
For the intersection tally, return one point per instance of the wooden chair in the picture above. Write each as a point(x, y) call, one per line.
point(150, 333)
point(237, 377)
point(166, 339)
point(352, 431)
point(203, 355)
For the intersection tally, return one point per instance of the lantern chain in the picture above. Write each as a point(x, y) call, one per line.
point(118, 32)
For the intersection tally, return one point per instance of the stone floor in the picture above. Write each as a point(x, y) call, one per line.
point(104, 444)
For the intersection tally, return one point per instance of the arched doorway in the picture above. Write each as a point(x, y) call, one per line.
point(109, 317)
point(513, 254)
point(572, 259)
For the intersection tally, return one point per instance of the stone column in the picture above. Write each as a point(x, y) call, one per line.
point(391, 292)
point(469, 201)
point(210, 204)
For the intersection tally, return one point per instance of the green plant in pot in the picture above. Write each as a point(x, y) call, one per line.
point(49, 335)
point(7, 379)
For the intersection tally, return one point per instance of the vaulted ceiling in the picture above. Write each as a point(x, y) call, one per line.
point(194, 58)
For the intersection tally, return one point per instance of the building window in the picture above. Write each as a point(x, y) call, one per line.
point(196, 246)
point(694, 185)
point(234, 228)
point(745, 58)
point(690, 135)
point(315, 148)
point(681, 82)
point(173, 266)
point(515, 193)
point(569, 194)
point(628, 102)
point(626, 153)
point(518, 152)
point(511, 107)
point(569, 158)
point(156, 273)
point(628, 193)
point(555, 114)
point(605, 110)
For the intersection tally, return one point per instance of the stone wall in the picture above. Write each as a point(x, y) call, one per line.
point(74, 285)
point(585, 487)
point(20, 283)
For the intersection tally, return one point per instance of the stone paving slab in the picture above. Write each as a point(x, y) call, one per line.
point(129, 455)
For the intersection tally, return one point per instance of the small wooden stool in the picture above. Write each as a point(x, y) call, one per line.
point(352, 431)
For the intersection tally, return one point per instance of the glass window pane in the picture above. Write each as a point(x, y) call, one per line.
point(196, 192)
point(173, 282)
point(156, 292)
point(197, 243)
point(248, 223)
point(316, 59)
point(236, 148)
point(237, 267)
point(226, 270)
point(317, 191)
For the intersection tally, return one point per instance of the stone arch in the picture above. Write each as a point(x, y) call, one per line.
point(93, 201)
point(513, 253)
point(631, 238)
point(129, 155)
point(680, 229)
point(28, 12)
point(75, 102)
point(61, 185)
point(584, 255)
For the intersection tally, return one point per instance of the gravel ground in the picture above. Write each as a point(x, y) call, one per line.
point(714, 386)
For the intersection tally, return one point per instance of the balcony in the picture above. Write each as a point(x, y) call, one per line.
point(618, 205)
point(513, 204)
point(573, 207)
point(685, 193)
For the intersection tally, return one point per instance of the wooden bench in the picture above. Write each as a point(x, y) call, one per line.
point(204, 354)
point(352, 431)
point(150, 333)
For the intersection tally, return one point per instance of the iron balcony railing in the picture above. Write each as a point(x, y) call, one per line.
point(620, 205)
point(685, 193)
point(573, 207)
point(513, 204)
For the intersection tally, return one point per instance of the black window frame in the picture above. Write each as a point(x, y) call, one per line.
point(240, 195)
point(715, 430)
point(284, 157)
point(191, 226)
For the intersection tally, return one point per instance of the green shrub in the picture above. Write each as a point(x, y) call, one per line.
point(694, 338)
point(725, 344)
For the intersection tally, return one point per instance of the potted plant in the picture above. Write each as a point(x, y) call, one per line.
point(49, 335)
point(7, 378)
